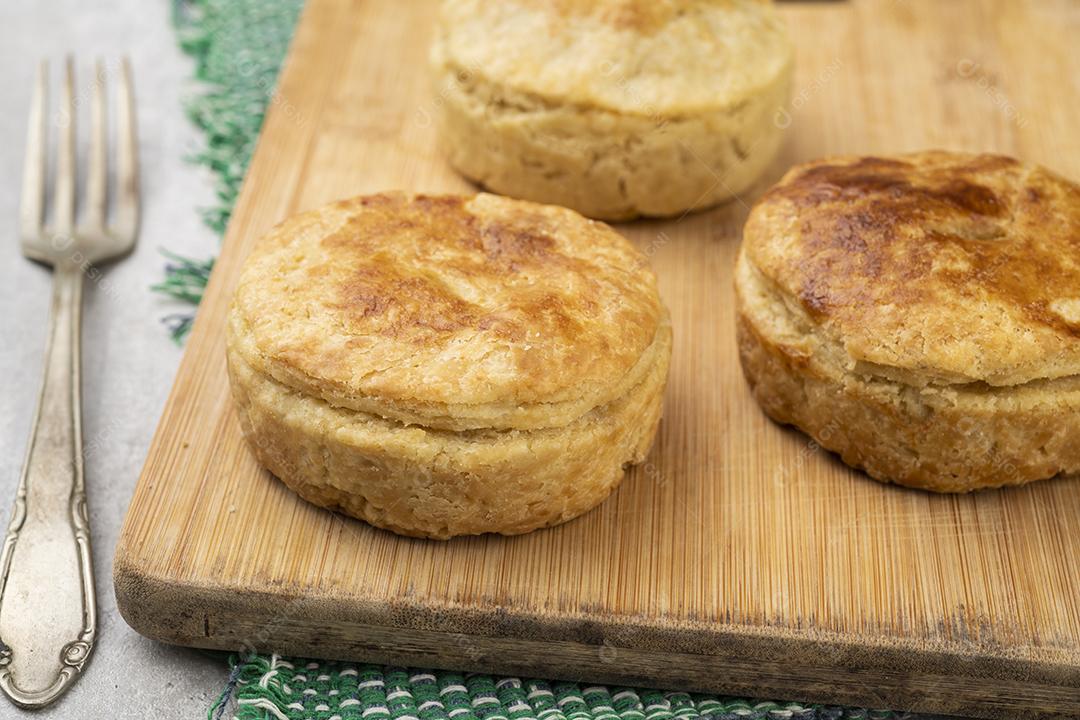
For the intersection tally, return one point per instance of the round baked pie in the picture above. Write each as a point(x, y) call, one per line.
point(615, 108)
point(919, 315)
point(447, 365)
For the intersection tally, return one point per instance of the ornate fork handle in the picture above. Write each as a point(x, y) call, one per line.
point(47, 612)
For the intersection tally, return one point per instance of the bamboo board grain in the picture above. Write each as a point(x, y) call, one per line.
point(739, 557)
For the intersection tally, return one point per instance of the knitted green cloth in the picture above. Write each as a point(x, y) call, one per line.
point(238, 46)
point(272, 688)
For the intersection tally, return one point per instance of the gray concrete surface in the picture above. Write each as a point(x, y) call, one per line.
point(128, 358)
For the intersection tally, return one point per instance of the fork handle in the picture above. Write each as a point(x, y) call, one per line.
point(47, 612)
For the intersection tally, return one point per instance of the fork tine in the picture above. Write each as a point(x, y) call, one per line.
point(97, 178)
point(127, 205)
point(64, 200)
point(33, 184)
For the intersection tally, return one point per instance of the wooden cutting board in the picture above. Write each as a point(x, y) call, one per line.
point(739, 558)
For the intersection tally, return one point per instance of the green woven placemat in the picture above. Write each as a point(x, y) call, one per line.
point(273, 688)
point(238, 46)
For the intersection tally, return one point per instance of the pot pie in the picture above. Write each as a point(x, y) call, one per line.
point(919, 315)
point(448, 365)
point(616, 108)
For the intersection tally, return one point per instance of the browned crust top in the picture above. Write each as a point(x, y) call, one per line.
point(643, 58)
point(962, 267)
point(437, 300)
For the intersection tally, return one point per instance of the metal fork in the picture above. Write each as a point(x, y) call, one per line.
point(47, 614)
